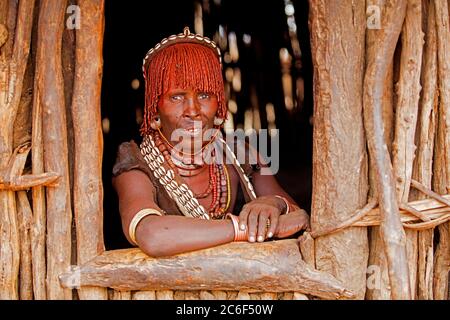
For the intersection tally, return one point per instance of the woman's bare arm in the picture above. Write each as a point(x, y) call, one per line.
point(166, 235)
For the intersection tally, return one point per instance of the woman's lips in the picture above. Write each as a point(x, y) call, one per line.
point(193, 131)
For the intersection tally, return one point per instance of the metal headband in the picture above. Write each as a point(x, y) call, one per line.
point(185, 37)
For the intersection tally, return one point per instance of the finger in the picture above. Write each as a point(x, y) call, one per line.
point(262, 226)
point(252, 225)
point(273, 225)
point(243, 217)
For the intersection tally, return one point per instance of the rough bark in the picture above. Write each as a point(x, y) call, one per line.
point(432, 208)
point(339, 168)
point(13, 63)
point(25, 217)
point(121, 295)
point(391, 228)
point(408, 94)
point(88, 189)
point(377, 256)
point(219, 295)
point(50, 89)
point(306, 245)
point(272, 266)
point(38, 231)
point(442, 257)
point(423, 162)
point(144, 295)
point(164, 295)
point(206, 295)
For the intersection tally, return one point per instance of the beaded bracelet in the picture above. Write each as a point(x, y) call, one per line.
point(239, 235)
point(138, 218)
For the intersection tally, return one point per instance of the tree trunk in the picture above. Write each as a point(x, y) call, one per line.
point(423, 170)
point(51, 94)
point(88, 189)
point(271, 266)
point(339, 168)
point(442, 259)
point(408, 94)
point(391, 229)
point(17, 24)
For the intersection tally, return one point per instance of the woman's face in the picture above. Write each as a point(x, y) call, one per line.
point(187, 113)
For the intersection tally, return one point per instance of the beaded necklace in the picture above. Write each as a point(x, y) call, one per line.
point(219, 186)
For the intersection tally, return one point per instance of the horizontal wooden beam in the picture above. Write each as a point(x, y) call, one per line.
point(29, 181)
point(274, 266)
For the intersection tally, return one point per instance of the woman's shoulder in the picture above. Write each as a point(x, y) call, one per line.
point(129, 157)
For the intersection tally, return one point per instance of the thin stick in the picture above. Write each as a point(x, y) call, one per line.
point(25, 217)
point(430, 193)
point(29, 181)
point(391, 228)
point(417, 213)
point(358, 215)
point(428, 225)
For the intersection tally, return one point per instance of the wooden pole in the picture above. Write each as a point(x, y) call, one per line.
point(408, 94)
point(51, 94)
point(25, 217)
point(13, 63)
point(271, 266)
point(423, 162)
point(86, 115)
point(38, 231)
point(24, 214)
point(442, 178)
point(377, 255)
point(340, 183)
point(376, 69)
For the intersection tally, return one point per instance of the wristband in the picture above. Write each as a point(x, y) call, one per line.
point(288, 207)
point(138, 218)
point(239, 235)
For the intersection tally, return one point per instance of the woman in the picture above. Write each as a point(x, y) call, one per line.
point(177, 196)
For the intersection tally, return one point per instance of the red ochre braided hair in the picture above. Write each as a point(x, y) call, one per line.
point(184, 65)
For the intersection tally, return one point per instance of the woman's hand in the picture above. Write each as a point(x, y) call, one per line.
point(292, 223)
point(255, 215)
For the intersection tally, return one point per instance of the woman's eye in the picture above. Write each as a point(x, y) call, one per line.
point(203, 96)
point(177, 97)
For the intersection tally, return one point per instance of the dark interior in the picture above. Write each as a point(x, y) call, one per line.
point(133, 27)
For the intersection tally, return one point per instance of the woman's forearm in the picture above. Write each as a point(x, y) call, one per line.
point(169, 235)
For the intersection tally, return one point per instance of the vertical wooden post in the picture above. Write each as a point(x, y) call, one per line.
point(422, 171)
point(378, 290)
point(408, 95)
point(25, 217)
point(340, 182)
point(442, 178)
point(376, 69)
point(86, 115)
point(13, 64)
point(38, 231)
point(51, 94)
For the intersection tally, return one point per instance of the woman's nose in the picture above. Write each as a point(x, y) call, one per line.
point(192, 108)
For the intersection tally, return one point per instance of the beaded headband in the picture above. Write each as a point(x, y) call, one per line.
point(185, 37)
